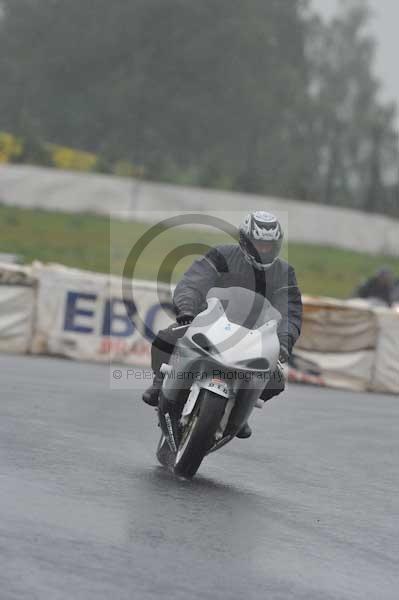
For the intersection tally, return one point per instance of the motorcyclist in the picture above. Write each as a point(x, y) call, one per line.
point(253, 264)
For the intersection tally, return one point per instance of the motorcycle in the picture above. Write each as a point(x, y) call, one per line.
point(215, 376)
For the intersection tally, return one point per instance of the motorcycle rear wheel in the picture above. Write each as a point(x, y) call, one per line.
point(199, 434)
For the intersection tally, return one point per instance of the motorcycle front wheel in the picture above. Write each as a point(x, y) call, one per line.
point(198, 436)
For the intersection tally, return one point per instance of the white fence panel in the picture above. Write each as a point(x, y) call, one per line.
point(83, 316)
point(17, 307)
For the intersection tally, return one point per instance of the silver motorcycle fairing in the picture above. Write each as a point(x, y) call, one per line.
point(233, 350)
point(234, 345)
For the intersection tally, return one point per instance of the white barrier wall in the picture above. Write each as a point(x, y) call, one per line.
point(337, 326)
point(349, 345)
point(17, 305)
point(385, 375)
point(67, 191)
point(341, 370)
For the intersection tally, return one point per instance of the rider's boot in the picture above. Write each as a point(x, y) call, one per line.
point(151, 395)
point(245, 432)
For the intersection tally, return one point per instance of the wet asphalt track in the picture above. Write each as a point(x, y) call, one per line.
point(308, 508)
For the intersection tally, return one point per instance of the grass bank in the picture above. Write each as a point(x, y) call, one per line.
point(98, 244)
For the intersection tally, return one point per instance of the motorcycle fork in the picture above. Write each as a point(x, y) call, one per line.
point(168, 414)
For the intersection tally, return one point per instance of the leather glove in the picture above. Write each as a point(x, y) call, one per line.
point(284, 354)
point(184, 319)
point(285, 348)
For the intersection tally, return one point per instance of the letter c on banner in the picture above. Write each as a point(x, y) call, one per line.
point(151, 316)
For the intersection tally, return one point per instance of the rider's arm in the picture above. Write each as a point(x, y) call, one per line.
point(190, 293)
point(287, 299)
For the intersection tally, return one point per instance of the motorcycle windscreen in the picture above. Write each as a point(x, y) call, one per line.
point(245, 307)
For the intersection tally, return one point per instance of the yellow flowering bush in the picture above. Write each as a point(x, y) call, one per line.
point(35, 151)
point(67, 158)
point(10, 147)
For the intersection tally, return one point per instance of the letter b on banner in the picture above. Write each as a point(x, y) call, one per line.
point(118, 318)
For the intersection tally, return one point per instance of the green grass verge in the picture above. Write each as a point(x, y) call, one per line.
point(98, 244)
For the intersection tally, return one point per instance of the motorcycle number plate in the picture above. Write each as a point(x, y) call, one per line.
point(218, 386)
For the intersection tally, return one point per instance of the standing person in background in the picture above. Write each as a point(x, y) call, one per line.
point(380, 287)
point(395, 294)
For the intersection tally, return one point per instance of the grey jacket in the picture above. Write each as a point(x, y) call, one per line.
point(226, 266)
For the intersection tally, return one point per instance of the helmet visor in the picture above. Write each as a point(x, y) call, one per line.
point(266, 251)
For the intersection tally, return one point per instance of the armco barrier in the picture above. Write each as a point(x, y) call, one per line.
point(51, 309)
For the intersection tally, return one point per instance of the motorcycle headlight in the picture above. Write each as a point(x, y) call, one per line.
point(257, 364)
point(202, 341)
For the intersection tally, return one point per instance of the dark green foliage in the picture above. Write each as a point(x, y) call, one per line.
point(251, 95)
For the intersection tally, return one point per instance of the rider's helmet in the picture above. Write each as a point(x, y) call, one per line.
point(261, 238)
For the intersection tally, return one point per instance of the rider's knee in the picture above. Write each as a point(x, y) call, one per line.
point(275, 386)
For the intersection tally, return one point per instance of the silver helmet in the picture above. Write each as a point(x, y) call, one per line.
point(261, 238)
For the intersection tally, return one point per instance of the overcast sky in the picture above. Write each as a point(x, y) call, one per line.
point(385, 27)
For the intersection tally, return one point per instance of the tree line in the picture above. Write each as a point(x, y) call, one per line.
point(247, 95)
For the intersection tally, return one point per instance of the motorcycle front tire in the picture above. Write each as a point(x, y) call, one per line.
point(199, 435)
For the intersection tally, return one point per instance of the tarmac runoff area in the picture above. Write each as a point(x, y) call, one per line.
point(308, 508)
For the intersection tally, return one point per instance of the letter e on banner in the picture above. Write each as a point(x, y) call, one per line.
point(75, 311)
